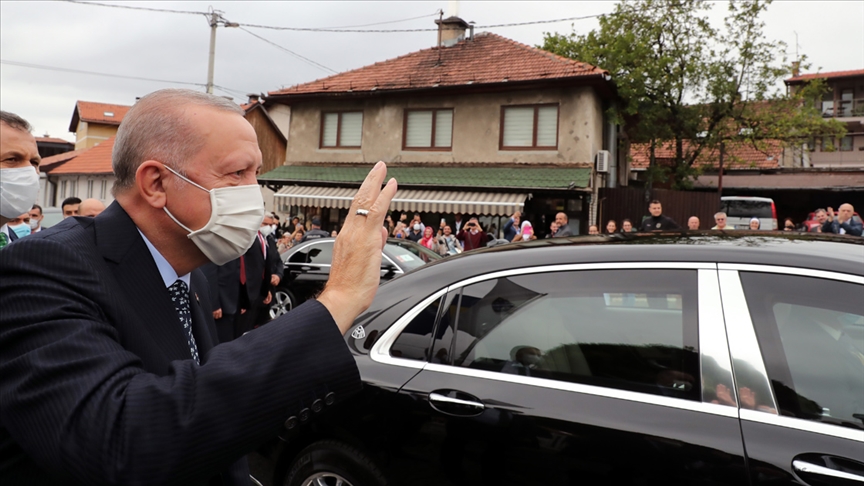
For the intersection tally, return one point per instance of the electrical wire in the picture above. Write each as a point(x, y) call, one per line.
point(306, 59)
point(130, 7)
point(93, 73)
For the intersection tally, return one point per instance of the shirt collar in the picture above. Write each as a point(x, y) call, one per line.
point(169, 275)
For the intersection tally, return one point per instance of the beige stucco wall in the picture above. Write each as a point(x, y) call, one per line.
point(90, 134)
point(281, 115)
point(476, 125)
point(838, 158)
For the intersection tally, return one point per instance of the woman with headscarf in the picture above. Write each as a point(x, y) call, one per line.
point(428, 240)
point(755, 223)
point(526, 232)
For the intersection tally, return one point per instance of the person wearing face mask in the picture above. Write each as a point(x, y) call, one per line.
point(19, 172)
point(526, 232)
point(36, 218)
point(416, 233)
point(19, 227)
point(114, 374)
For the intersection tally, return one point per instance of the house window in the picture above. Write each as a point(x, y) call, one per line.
point(531, 127)
point(846, 98)
point(342, 129)
point(428, 129)
point(104, 189)
point(846, 144)
point(90, 188)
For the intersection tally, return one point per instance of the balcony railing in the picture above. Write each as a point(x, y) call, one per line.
point(847, 108)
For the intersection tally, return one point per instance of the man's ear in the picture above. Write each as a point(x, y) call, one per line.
point(150, 179)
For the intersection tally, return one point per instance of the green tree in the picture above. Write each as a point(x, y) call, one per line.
point(687, 84)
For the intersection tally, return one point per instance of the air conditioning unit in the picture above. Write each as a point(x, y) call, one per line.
point(603, 161)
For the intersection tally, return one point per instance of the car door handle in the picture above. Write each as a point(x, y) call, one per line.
point(438, 398)
point(801, 466)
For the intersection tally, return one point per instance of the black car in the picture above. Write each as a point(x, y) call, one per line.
point(734, 359)
point(307, 268)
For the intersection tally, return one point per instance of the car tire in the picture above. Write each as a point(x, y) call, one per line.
point(283, 302)
point(333, 463)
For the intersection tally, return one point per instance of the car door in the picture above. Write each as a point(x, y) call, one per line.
point(802, 398)
point(576, 374)
point(309, 268)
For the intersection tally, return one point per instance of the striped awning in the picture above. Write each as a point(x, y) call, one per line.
point(481, 203)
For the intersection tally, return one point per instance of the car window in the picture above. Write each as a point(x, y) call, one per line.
point(411, 256)
point(747, 208)
point(811, 332)
point(413, 342)
point(316, 253)
point(627, 329)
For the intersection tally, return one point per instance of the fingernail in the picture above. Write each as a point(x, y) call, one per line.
point(378, 165)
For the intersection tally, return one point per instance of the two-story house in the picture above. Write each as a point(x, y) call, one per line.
point(93, 123)
point(478, 124)
point(844, 102)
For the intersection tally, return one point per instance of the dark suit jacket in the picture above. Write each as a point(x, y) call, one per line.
point(273, 258)
point(851, 227)
point(225, 287)
point(96, 381)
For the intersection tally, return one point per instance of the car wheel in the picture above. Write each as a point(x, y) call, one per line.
point(332, 463)
point(283, 302)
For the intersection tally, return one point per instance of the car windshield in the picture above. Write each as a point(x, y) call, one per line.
point(747, 208)
point(411, 256)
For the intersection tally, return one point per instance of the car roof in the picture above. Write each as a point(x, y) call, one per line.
point(843, 254)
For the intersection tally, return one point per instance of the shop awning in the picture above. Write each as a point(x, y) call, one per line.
point(491, 203)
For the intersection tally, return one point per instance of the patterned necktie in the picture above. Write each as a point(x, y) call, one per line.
point(4, 240)
point(180, 297)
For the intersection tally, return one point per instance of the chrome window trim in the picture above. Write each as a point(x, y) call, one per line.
point(804, 272)
point(803, 425)
point(585, 266)
point(679, 403)
point(398, 270)
point(380, 352)
point(712, 333)
point(743, 345)
point(328, 265)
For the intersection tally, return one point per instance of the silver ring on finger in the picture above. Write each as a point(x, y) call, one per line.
point(362, 212)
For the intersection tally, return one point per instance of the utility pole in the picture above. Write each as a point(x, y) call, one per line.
point(214, 19)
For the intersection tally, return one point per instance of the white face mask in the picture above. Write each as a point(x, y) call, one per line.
point(34, 223)
point(266, 230)
point(526, 237)
point(236, 214)
point(19, 188)
point(416, 226)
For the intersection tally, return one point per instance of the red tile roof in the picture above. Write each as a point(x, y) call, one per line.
point(737, 155)
point(93, 112)
point(488, 58)
point(52, 140)
point(50, 163)
point(95, 160)
point(830, 75)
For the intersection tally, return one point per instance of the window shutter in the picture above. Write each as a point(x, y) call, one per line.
point(547, 126)
point(518, 126)
point(419, 131)
point(351, 132)
point(443, 128)
point(331, 122)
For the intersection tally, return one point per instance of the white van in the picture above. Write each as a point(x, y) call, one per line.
point(740, 210)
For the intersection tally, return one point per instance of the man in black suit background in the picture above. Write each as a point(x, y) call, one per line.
point(109, 371)
point(19, 172)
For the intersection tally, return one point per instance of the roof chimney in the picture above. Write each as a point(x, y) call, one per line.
point(451, 30)
point(253, 97)
point(796, 69)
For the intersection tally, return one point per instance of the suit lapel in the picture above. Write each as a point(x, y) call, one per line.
point(146, 300)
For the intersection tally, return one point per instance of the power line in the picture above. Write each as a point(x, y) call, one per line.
point(80, 71)
point(384, 23)
point(394, 31)
point(310, 61)
point(129, 7)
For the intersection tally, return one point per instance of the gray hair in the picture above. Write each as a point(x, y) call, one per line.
point(15, 121)
point(155, 129)
point(721, 213)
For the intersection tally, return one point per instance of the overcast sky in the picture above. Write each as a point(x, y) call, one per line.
point(174, 47)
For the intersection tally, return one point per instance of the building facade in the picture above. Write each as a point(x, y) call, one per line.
point(477, 125)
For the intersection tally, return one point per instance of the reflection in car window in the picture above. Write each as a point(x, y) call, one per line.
point(411, 257)
point(627, 329)
point(414, 340)
point(811, 332)
point(316, 253)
